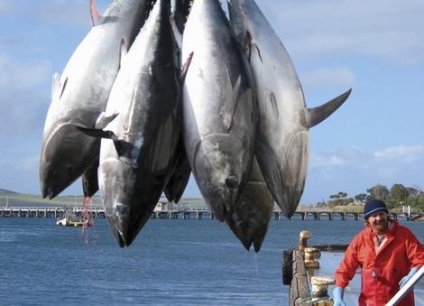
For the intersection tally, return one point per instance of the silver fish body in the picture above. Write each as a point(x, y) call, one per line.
point(282, 143)
point(218, 110)
point(136, 164)
point(81, 93)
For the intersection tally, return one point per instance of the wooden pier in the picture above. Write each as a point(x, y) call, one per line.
point(47, 212)
point(183, 214)
point(191, 213)
point(345, 215)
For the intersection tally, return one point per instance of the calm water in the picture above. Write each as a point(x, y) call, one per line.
point(172, 262)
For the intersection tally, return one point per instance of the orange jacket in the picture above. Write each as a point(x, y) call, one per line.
point(381, 271)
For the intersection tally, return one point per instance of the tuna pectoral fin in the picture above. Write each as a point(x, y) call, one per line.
point(97, 133)
point(104, 119)
point(318, 114)
point(122, 147)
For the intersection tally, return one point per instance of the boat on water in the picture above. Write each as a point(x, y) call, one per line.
point(73, 220)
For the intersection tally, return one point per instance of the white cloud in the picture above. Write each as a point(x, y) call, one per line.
point(66, 12)
point(401, 153)
point(337, 157)
point(24, 94)
point(327, 77)
point(29, 162)
point(23, 73)
point(354, 170)
point(63, 11)
point(381, 29)
point(354, 157)
point(327, 161)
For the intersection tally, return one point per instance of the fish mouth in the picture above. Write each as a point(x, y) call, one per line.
point(127, 202)
point(126, 222)
point(51, 192)
point(252, 215)
point(250, 230)
point(114, 175)
point(125, 226)
point(65, 156)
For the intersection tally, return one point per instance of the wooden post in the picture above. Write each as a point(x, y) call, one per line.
point(300, 294)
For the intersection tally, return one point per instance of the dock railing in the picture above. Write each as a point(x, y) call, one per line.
point(300, 272)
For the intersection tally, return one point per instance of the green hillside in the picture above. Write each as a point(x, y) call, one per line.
point(19, 199)
point(14, 199)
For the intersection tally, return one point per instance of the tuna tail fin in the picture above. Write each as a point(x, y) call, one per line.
point(94, 12)
point(318, 114)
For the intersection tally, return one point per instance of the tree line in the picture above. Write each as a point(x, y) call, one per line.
point(395, 197)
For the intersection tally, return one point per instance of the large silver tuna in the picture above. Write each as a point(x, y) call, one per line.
point(136, 162)
point(250, 220)
point(219, 113)
point(81, 93)
point(282, 146)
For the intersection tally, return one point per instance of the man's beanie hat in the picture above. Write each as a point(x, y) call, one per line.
point(373, 206)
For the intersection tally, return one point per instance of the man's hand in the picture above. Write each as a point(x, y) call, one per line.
point(338, 293)
point(405, 279)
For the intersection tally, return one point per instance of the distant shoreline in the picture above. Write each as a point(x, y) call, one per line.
point(30, 200)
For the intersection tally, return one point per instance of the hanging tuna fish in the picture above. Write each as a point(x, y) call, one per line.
point(218, 110)
point(282, 142)
point(138, 154)
point(80, 94)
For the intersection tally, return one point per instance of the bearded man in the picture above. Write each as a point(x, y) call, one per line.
point(388, 254)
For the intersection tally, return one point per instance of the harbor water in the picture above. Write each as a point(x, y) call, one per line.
point(172, 262)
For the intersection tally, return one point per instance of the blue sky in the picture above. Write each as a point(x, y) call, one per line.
point(375, 47)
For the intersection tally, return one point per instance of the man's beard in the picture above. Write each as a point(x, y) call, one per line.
point(380, 227)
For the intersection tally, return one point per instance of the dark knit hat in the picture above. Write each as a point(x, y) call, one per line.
point(373, 206)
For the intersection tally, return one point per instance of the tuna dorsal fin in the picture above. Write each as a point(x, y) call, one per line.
point(318, 114)
point(94, 12)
